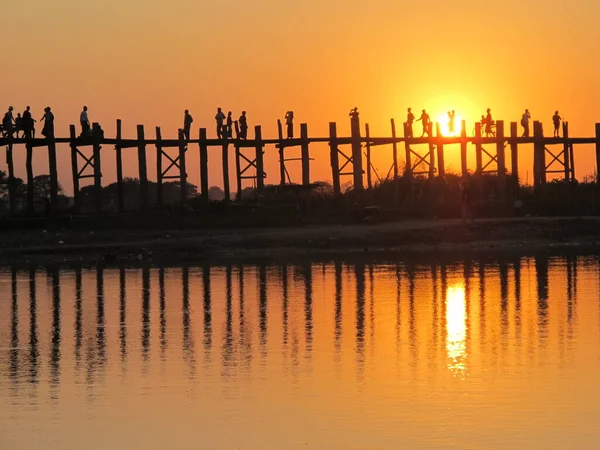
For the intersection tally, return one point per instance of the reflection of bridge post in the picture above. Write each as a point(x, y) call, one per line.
point(285, 318)
point(412, 328)
point(541, 271)
point(481, 303)
point(503, 272)
point(55, 353)
point(571, 286)
point(188, 340)
point(207, 310)
point(33, 338)
point(444, 302)
point(14, 322)
point(122, 315)
point(145, 312)
point(163, 313)
point(100, 328)
point(227, 346)
point(338, 309)
point(78, 316)
point(308, 312)
point(262, 307)
point(517, 275)
point(435, 313)
point(359, 272)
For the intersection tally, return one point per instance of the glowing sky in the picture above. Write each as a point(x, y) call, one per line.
point(145, 61)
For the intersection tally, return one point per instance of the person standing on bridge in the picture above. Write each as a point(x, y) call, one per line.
point(243, 122)
point(410, 118)
point(28, 127)
point(48, 118)
point(86, 130)
point(187, 124)
point(425, 120)
point(525, 118)
point(229, 125)
point(556, 119)
point(220, 118)
point(8, 121)
point(488, 122)
point(289, 121)
point(451, 117)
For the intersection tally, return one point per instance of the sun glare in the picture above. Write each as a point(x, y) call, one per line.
point(448, 127)
point(456, 327)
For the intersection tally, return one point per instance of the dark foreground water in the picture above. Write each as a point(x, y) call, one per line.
point(501, 354)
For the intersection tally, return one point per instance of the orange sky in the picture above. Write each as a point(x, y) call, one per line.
point(145, 61)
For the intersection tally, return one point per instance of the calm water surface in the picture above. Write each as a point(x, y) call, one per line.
point(344, 355)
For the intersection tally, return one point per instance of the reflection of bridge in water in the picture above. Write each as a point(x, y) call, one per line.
point(463, 308)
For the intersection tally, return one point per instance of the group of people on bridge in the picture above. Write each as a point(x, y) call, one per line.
point(25, 124)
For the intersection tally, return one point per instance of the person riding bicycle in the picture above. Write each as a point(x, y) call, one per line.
point(488, 122)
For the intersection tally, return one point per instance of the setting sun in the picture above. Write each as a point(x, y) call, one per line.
point(449, 126)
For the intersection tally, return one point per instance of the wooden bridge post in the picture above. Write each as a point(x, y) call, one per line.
point(182, 168)
point(260, 171)
point(53, 176)
point(368, 145)
point(30, 183)
point(408, 162)
point(431, 141)
point(440, 150)
point(598, 155)
point(143, 170)
point(96, 137)
point(203, 165)
point(566, 151)
point(394, 149)
point(305, 154)
point(238, 175)
point(159, 169)
point(333, 154)
point(539, 160)
point(74, 169)
point(478, 150)
point(463, 149)
point(11, 177)
point(501, 160)
point(120, 196)
point(281, 146)
point(225, 160)
point(356, 153)
point(572, 160)
point(514, 154)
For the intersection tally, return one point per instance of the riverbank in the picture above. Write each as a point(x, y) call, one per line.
point(322, 241)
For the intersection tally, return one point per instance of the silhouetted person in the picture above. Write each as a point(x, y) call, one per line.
point(425, 121)
point(187, 124)
point(525, 118)
point(451, 116)
point(465, 201)
point(8, 122)
point(19, 125)
point(229, 125)
point(86, 130)
point(488, 122)
point(354, 113)
point(243, 125)
point(410, 119)
point(48, 118)
point(556, 119)
point(289, 121)
point(220, 118)
point(224, 131)
point(28, 124)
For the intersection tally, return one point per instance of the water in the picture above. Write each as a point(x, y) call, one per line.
point(498, 354)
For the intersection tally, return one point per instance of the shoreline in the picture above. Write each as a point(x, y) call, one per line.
point(410, 238)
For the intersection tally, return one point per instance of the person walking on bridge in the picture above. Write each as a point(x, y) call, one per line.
point(48, 118)
point(243, 122)
point(556, 120)
point(220, 118)
point(425, 120)
point(187, 124)
point(229, 125)
point(8, 121)
point(85, 123)
point(28, 124)
point(289, 121)
point(525, 118)
point(410, 118)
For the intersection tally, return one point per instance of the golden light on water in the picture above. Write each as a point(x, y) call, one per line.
point(456, 329)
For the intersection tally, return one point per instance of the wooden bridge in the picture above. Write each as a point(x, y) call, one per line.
point(423, 156)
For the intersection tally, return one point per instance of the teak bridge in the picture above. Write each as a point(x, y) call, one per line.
point(551, 155)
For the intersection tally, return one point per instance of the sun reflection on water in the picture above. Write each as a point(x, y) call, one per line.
point(456, 328)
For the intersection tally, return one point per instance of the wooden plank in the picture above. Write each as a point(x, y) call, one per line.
point(408, 157)
point(463, 149)
point(142, 168)
point(203, 165)
point(182, 168)
point(334, 158)
point(119, 156)
point(30, 185)
point(260, 172)
point(75, 170)
point(440, 150)
point(501, 159)
point(281, 146)
point(514, 154)
point(394, 149)
point(53, 177)
point(305, 154)
point(11, 178)
point(357, 170)
point(96, 137)
point(159, 168)
point(478, 150)
point(566, 151)
point(225, 161)
point(431, 141)
point(368, 147)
